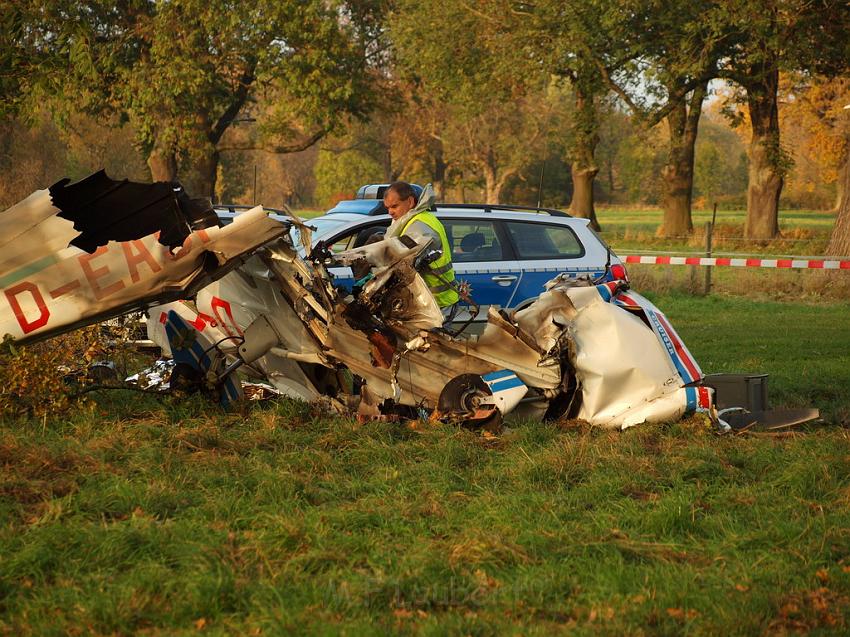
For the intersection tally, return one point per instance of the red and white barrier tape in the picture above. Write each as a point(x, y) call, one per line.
point(815, 264)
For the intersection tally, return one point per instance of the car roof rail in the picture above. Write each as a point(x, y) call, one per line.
point(488, 207)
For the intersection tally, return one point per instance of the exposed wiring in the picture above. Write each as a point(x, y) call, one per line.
point(215, 345)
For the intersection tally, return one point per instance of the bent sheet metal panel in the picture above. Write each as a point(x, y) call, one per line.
point(267, 285)
point(422, 375)
point(275, 367)
point(627, 377)
point(48, 287)
point(241, 297)
point(30, 232)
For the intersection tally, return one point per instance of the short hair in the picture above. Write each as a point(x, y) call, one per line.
point(403, 189)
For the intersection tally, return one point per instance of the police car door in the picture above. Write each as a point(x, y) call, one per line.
point(544, 250)
point(481, 258)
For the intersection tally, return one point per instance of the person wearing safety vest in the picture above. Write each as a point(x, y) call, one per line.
point(410, 219)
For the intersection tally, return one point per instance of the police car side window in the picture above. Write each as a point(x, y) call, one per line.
point(543, 241)
point(358, 236)
point(363, 235)
point(473, 240)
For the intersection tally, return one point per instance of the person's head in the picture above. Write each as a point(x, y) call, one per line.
point(399, 198)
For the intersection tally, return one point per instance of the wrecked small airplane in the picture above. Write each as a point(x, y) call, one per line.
point(79, 253)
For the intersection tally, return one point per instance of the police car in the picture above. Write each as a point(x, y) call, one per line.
point(505, 253)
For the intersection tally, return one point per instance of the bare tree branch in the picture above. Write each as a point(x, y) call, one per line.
point(506, 174)
point(480, 14)
point(236, 105)
point(621, 93)
point(282, 149)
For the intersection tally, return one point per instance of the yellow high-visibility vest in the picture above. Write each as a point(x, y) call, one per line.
point(441, 275)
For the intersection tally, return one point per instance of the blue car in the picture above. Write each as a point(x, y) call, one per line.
point(505, 253)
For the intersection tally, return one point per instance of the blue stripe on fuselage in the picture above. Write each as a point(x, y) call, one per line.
point(502, 373)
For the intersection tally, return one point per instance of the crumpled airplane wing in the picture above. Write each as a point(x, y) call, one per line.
point(84, 252)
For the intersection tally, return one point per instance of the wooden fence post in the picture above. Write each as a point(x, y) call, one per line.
point(709, 230)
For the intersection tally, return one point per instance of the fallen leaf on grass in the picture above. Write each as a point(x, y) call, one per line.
point(406, 613)
point(484, 581)
point(201, 623)
point(605, 612)
point(416, 425)
point(682, 613)
point(807, 610)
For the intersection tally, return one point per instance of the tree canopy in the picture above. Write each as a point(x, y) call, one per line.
point(604, 99)
point(183, 72)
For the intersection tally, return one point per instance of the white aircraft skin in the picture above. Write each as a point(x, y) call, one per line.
point(49, 286)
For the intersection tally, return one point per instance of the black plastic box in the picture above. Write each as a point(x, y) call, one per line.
point(739, 390)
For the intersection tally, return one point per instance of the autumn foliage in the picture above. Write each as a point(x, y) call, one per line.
point(40, 379)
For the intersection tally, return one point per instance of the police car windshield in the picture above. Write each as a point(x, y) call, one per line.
point(322, 226)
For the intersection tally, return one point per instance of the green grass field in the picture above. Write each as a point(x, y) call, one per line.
point(802, 232)
point(154, 516)
point(648, 219)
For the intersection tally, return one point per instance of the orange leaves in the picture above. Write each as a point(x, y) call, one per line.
point(682, 614)
point(802, 612)
point(404, 613)
point(31, 377)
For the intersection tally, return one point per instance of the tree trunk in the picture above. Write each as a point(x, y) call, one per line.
point(584, 168)
point(201, 182)
point(492, 184)
point(678, 173)
point(839, 240)
point(162, 163)
point(439, 177)
point(492, 189)
point(582, 202)
point(767, 162)
point(843, 179)
point(387, 163)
